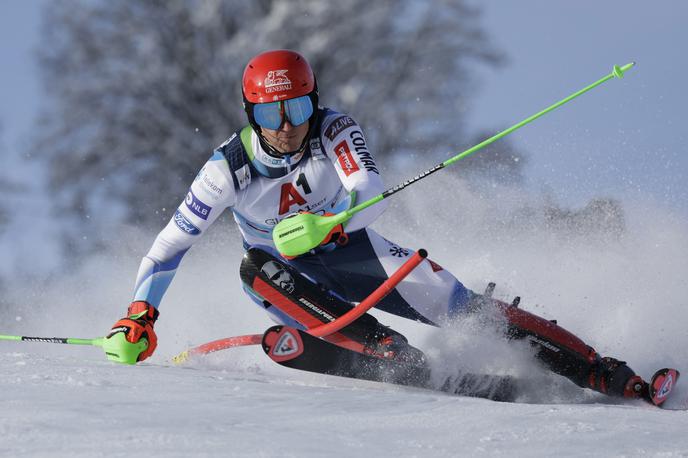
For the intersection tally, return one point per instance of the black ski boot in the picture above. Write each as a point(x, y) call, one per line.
point(392, 345)
point(613, 377)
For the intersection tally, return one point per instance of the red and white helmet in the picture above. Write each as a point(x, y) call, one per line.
point(277, 75)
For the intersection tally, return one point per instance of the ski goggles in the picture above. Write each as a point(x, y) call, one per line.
point(272, 115)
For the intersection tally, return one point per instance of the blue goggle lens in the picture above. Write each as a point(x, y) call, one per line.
point(296, 111)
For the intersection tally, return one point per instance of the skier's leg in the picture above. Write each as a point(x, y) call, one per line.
point(274, 313)
point(429, 294)
point(566, 354)
point(304, 302)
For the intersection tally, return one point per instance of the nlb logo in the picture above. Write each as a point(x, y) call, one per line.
point(196, 206)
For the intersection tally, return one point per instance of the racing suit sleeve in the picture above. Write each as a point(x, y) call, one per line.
point(210, 194)
point(345, 144)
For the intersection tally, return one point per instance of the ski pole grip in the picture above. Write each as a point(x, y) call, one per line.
point(371, 301)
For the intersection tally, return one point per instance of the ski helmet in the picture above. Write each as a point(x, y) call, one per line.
point(275, 76)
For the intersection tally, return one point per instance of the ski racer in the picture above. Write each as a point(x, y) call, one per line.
point(296, 156)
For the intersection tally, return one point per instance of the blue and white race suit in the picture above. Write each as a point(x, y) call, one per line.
point(335, 172)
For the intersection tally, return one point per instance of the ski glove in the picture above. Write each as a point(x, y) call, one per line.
point(335, 236)
point(139, 324)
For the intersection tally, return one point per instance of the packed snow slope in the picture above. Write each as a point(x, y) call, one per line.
point(623, 293)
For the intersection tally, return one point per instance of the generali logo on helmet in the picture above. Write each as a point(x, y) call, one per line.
point(277, 81)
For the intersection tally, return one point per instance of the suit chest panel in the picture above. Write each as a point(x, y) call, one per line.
point(313, 186)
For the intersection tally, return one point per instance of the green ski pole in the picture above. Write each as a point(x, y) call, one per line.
point(302, 232)
point(116, 348)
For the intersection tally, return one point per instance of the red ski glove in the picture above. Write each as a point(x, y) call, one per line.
point(139, 324)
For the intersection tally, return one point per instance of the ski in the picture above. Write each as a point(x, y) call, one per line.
point(661, 384)
point(296, 349)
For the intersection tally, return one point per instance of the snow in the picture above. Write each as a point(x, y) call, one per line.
point(65, 406)
point(624, 296)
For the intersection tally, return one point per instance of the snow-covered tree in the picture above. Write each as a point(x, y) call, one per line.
point(139, 92)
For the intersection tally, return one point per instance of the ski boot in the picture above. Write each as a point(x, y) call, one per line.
point(661, 384)
point(614, 378)
point(392, 345)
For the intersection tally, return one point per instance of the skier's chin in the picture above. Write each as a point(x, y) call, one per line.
point(287, 139)
point(286, 145)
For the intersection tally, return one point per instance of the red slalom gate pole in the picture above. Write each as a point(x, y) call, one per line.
point(371, 301)
point(321, 331)
point(217, 345)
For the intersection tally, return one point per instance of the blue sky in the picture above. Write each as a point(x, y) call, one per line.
point(624, 139)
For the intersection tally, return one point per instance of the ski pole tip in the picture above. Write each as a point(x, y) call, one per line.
point(619, 71)
point(181, 358)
